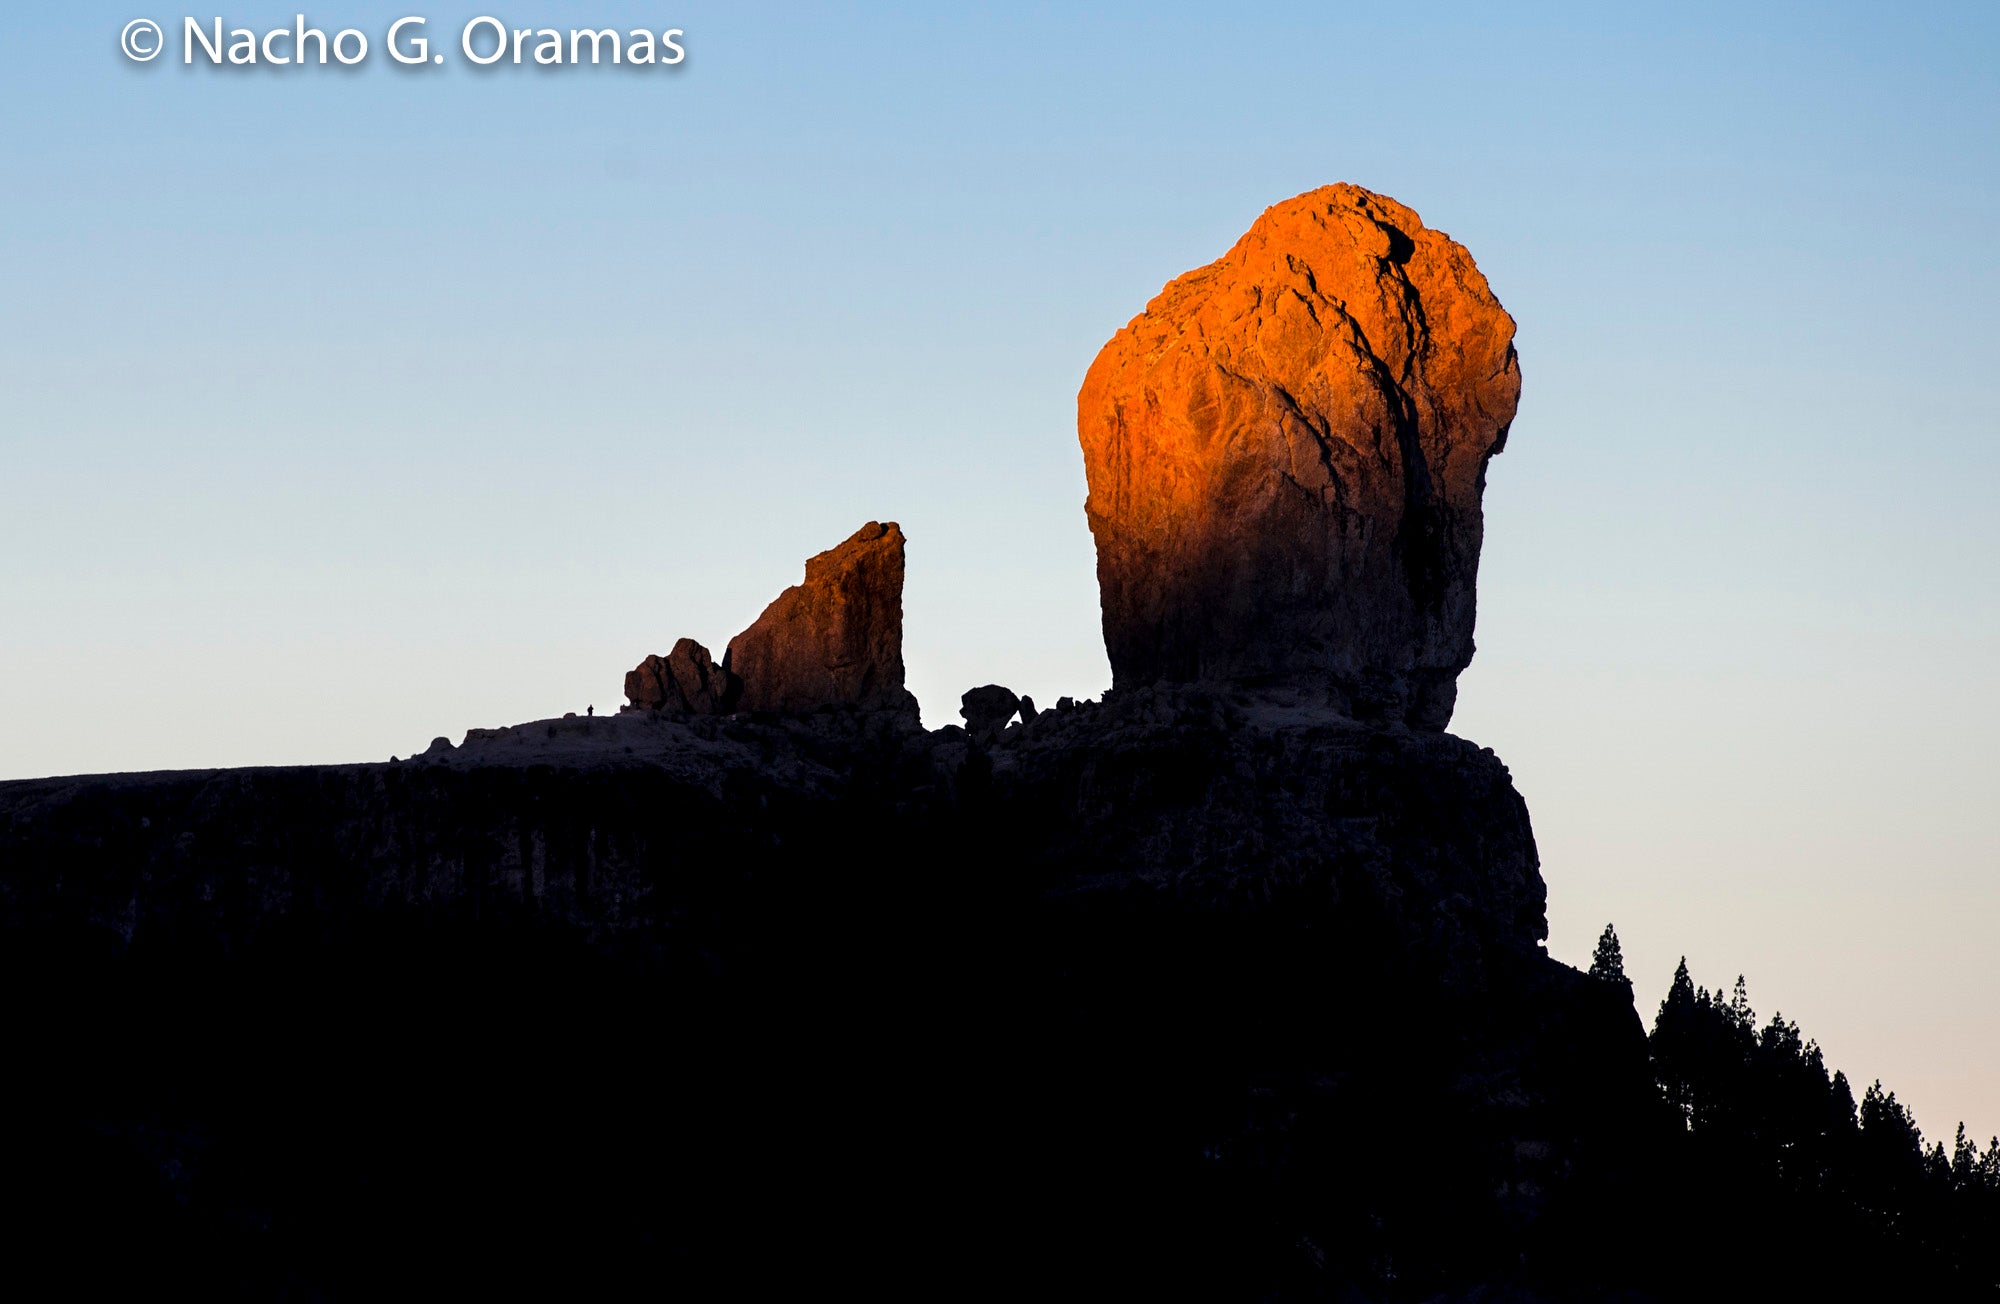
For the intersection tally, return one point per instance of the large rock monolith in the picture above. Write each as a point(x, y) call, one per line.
point(1286, 453)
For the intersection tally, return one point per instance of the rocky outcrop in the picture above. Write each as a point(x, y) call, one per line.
point(988, 709)
point(835, 640)
point(686, 681)
point(1209, 989)
point(1286, 453)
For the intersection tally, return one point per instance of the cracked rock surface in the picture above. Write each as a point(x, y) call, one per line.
point(1286, 452)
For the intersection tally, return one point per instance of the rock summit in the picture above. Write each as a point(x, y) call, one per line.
point(1286, 452)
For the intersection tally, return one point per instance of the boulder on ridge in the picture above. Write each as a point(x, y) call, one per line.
point(686, 680)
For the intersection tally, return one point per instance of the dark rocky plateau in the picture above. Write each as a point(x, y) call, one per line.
point(1178, 991)
point(1228, 986)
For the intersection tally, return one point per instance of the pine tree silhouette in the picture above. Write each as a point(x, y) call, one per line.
point(1608, 961)
point(1870, 1209)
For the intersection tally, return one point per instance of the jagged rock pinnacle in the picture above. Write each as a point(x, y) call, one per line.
point(835, 640)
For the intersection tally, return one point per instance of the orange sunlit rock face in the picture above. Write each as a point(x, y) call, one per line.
point(835, 640)
point(1286, 452)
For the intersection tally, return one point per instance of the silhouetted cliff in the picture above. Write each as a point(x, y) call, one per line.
point(1182, 986)
point(1229, 986)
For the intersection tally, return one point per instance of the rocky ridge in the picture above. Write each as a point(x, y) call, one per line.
point(775, 986)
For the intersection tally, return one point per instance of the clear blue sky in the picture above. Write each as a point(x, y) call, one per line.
point(343, 409)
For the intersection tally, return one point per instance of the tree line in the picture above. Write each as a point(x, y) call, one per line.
point(1754, 1114)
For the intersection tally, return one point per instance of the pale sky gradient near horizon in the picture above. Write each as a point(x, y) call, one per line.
point(339, 410)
